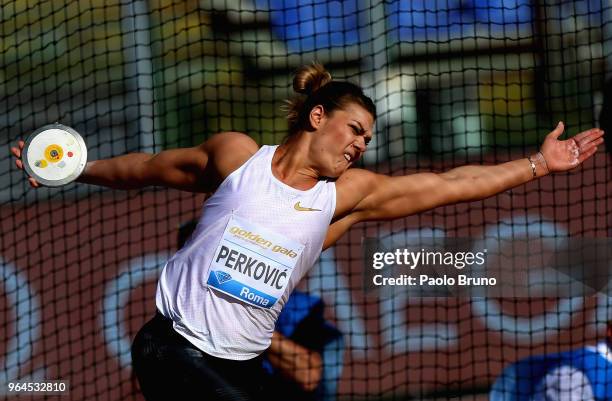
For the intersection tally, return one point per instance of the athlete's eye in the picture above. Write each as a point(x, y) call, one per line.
point(361, 132)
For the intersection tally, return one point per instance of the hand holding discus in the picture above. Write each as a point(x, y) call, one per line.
point(53, 155)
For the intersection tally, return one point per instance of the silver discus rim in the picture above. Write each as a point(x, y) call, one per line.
point(27, 164)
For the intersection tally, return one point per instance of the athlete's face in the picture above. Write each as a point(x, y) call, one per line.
point(341, 138)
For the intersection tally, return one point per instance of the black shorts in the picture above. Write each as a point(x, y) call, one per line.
point(169, 367)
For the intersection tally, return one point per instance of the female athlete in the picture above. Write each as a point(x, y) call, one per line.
point(272, 211)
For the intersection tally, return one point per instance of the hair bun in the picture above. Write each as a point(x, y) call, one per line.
point(309, 78)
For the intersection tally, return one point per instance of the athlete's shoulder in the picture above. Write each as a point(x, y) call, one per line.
point(356, 176)
point(227, 151)
point(238, 141)
point(356, 180)
point(352, 187)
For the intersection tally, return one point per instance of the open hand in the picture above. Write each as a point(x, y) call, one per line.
point(16, 151)
point(565, 155)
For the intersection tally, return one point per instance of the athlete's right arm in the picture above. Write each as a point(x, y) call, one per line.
point(198, 169)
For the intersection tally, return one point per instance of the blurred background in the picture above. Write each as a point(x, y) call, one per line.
point(454, 82)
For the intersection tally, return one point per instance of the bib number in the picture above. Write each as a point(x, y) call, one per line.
point(253, 264)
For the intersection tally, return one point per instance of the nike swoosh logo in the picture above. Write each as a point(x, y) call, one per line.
point(304, 209)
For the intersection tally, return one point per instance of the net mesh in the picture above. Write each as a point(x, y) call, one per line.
point(454, 82)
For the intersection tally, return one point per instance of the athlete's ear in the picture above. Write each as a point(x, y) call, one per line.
point(316, 116)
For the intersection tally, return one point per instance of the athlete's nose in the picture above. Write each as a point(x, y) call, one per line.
point(360, 144)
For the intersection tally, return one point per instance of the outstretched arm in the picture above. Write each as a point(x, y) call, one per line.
point(378, 197)
point(196, 169)
point(175, 168)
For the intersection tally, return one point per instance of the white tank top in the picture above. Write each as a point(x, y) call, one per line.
point(256, 238)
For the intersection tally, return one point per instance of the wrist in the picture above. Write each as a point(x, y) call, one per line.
point(83, 176)
point(538, 165)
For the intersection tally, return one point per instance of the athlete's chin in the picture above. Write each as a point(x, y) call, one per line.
point(335, 169)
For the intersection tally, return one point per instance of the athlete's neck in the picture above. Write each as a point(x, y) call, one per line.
point(291, 163)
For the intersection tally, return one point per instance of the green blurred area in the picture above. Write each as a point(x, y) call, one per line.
point(203, 85)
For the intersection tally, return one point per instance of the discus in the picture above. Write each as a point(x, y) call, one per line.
point(54, 155)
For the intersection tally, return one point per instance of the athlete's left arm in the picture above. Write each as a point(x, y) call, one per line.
point(382, 197)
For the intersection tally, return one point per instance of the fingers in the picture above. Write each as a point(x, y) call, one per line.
point(585, 146)
point(33, 182)
point(588, 149)
point(556, 133)
point(587, 154)
point(596, 142)
point(588, 136)
point(16, 151)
